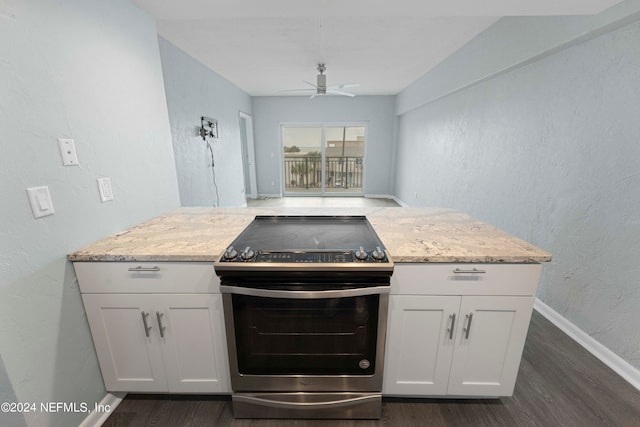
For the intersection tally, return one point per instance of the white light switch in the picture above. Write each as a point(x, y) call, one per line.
point(68, 152)
point(40, 201)
point(104, 186)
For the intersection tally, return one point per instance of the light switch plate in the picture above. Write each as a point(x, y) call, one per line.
point(68, 152)
point(40, 201)
point(106, 192)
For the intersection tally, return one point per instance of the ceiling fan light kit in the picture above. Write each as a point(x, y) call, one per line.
point(321, 80)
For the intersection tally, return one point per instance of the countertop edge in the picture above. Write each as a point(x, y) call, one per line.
point(403, 259)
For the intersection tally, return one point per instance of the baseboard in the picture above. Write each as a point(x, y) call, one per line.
point(400, 202)
point(377, 196)
point(269, 196)
point(97, 418)
point(630, 373)
point(387, 196)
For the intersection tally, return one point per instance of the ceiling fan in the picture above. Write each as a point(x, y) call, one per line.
point(321, 87)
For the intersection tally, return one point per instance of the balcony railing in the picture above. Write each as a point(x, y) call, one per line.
point(305, 173)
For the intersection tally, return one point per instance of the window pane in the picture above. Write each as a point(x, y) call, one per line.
point(344, 151)
point(302, 155)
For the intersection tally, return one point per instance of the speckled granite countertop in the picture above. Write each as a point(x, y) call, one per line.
point(409, 234)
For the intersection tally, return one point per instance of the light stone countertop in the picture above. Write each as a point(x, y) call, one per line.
point(409, 234)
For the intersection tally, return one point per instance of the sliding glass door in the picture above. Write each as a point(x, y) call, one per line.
point(323, 160)
point(344, 159)
point(302, 157)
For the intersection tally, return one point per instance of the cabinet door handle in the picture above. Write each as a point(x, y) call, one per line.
point(453, 322)
point(472, 271)
point(147, 328)
point(141, 269)
point(468, 328)
point(162, 328)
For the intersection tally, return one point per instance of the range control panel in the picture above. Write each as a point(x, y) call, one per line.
point(310, 257)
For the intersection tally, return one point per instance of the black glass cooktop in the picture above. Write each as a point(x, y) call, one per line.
point(308, 233)
point(306, 243)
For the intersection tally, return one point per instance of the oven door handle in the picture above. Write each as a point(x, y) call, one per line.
point(277, 293)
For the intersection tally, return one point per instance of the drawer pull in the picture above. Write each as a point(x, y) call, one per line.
point(472, 271)
point(162, 328)
point(141, 269)
point(468, 328)
point(453, 322)
point(147, 328)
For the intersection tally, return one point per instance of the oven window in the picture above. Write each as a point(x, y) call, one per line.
point(333, 336)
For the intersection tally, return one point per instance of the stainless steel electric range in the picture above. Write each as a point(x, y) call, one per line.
point(305, 303)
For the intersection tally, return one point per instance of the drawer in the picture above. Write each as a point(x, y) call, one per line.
point(146, 277)
point(462, 279)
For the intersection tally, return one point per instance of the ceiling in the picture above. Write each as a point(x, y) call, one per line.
point(268, 46)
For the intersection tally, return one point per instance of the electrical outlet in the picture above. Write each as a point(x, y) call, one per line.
point(68, 152)
point(106, 192)
point(40, 201)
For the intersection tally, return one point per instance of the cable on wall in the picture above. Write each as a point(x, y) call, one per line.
point(213, 171)
point(209, 129)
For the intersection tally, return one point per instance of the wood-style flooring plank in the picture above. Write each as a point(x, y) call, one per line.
point(559, 384)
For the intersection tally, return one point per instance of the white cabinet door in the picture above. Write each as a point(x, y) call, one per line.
point(194, 343)
point(129, 353)
point(420, 344)
point(489, 343)
point(181, 348)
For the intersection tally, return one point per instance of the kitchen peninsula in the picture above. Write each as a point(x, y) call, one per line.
point(461, 299)
point(422, 235)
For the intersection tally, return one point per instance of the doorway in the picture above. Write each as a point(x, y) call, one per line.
point(323, 160)
point(248, 156)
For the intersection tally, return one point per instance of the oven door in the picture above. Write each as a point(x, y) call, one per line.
point(306, 340)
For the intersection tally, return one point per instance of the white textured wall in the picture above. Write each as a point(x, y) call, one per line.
point(548, 152)
point(376, 111)
point(88, 70)
point(507, 44)
point(193, 91)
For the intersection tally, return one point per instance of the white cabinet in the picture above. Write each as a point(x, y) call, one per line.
point(155, 341)
point(488, 345)
point(456, 331)
point(195, 351)
point(128, 359)
point(419, 348)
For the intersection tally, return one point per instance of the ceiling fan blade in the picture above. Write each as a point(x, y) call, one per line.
point(339, 92)
point(313, 96)
point(296, 90)
point(344, 86)
point(309, 83)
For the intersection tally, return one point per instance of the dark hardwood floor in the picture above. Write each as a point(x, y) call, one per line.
point(559, 384)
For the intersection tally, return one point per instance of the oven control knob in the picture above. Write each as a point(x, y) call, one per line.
point(361, 254)
point(378, 254)
point(247, 254)
point(230, 253)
